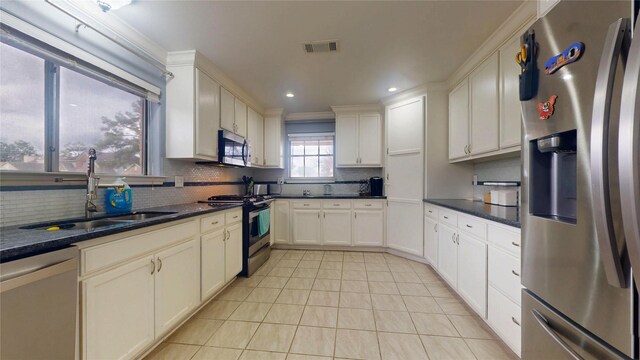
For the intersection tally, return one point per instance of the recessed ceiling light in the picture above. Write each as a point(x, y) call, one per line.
point(392, 89)
point(106, 5)
point(290, 95)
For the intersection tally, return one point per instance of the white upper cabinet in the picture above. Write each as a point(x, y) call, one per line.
point(358, 136)
point(404, 128)
point(347, 140)
point(484, 115)
point(273, 140)
point(193, 115)
point(255, 135)
point(510, 111)
point(459, 121)
point(240, 118)
point(227, 110)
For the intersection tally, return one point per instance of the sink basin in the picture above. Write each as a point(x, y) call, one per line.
point(142, 215)
point(79, 225)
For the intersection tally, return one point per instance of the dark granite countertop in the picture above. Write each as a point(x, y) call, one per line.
point(505, 215)
point(16, 243)
point(336, 196)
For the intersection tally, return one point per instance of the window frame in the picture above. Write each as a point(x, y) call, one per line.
point(51, 69)
point(304, 137)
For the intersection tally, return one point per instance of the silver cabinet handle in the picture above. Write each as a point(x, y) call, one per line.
point(430, 211)
point(318, 215)
point(446, 217)
point(435, 227)
point(453, 237)
point(628, 156)
point(235, 217)
point(515, 273)
point(465, 149)
point(153, 266)
point(355, 215)
point(469, 226)
point(515, 244)
point(159, 264)
point(458, 239)
point(469, 148)
point(324, 215)
point(545, 325)
point(515, 321)
point(336, 204)
point(305, 204)
point(616, 43)
point(367, 204)
point(215, 222)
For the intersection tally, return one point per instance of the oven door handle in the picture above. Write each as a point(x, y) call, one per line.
point(263, 202)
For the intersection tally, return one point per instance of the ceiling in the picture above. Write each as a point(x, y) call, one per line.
point(382, 44)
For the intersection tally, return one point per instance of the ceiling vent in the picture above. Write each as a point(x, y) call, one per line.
point(321, 46)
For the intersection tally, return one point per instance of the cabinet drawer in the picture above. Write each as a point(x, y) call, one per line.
point(111, 253)
point(233, 216)
point(504, 317)
point(336, 204)
point(473, 226)
point(507, 239)
point(504, 273)
point(431, 211)
point(211, 222)
point(448, 217)
point(371, 204)
point(313, 204)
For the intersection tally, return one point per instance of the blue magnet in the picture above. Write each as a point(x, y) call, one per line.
point(571, 54)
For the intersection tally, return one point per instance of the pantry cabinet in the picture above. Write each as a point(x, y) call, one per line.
point(358, 137)
point(255, 135)
point(193, 115)
point(177, 284)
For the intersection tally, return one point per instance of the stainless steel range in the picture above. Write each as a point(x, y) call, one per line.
point(256, 229)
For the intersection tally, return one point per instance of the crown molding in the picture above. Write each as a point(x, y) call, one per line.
point(320, 115)
point(421, 90)
point(357, 108)
point(195, 58)
point(277, 112)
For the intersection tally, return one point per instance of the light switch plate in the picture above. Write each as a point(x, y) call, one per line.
point(179, 181)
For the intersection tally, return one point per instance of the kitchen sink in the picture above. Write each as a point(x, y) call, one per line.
point(142, 215)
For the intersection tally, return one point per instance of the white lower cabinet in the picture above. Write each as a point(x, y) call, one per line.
point(504, 317)
point(336, 227)
point(448, 254)
point(472, 272)
point(177, 284)
point(233, 251)
point(213, 264)
point(282, 221)
point(368, 227)
point(118, 311)
point(306, 227)
point(431, 241)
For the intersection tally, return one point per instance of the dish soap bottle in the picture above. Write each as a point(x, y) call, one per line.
point(118, 198)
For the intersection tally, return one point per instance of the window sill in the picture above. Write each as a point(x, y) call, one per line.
point(26, 178)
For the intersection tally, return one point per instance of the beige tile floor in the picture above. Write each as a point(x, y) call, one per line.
point(306, 305)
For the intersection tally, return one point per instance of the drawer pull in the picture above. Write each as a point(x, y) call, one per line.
point(367, 204)
point(215, 223)
point(235, 217)
point(446, 217)
point(515, 244)
point(430, 212)
point(305, 204)
point(515, 321)
point(336, 204)
point(469, 226)
point(515, 273)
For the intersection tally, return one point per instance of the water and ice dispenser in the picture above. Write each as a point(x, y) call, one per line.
point(552, 174)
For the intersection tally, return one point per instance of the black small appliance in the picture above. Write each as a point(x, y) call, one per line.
point(375, 185)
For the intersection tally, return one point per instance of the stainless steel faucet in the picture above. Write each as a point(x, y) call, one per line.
point(90, 206)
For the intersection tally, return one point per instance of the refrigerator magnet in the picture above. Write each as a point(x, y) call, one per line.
point(545, 109)
point(570, 55)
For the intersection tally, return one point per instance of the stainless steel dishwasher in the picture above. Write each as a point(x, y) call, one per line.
point(39, 306)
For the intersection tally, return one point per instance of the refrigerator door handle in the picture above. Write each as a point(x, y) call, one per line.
point(616, 45)
point(629, 157)
point(549, 330)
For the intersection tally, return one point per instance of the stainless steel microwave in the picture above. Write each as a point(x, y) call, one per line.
point(233, 149)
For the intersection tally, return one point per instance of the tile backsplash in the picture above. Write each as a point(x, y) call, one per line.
point(498, 170)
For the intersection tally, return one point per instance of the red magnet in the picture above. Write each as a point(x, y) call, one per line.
point(545, 109)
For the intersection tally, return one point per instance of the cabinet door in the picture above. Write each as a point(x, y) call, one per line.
point(510, 113)
point(336, 227)
point(431, 241)
point(207, 116)
point(306, 227)
point(405, 122)
point(404, 226)
point(472, 272)
point(370, 139)
point(448, 254)
point(459, 121)
point(118, 317)
point(368, 228)
point(347, 140)
point(227, 109)
point(255, 134)
point(282, 223)
point(273, 141)
point(177, 283)
point(240, 118)
point(483, 89)
point(233, 251)
point(212, 259)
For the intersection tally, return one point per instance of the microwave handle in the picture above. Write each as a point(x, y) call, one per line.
point(245, 152)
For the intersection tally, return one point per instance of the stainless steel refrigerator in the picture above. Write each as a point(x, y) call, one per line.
point(581, 182)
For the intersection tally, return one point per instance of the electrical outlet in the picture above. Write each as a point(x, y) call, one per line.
point(280, 181)
point(179, 180)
